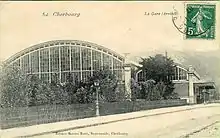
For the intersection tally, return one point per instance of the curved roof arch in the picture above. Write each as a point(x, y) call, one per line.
point(52, 43)
point(181, 66)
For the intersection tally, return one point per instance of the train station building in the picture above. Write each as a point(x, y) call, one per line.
point(58, 58)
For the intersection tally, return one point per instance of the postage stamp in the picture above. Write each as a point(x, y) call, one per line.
point(200, 21)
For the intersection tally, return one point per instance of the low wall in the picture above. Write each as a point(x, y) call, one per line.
point(26, 116)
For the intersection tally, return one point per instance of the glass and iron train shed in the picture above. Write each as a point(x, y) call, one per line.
point(58, 58)
point(62, 57)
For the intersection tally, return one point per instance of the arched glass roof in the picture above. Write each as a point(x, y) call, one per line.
point(52, 43)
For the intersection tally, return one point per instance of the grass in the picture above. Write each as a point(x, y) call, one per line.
point(26, 116)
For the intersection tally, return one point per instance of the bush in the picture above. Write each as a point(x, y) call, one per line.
point(160, 69)
point(14, 91)
point(19, 89)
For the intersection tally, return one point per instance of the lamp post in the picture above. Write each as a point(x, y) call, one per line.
point(96, 84)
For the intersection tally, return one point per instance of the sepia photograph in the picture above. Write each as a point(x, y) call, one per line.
point(126, 69)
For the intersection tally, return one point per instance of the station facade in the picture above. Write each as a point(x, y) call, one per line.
point(59, 58)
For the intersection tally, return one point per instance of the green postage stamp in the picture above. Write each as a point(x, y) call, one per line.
point(200, 21)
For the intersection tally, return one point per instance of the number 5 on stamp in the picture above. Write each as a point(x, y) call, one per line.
point(200, 21)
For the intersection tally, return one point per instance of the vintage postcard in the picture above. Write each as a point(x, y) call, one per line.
point(144, 69)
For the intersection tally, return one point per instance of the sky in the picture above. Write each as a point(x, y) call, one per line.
point(120, 26)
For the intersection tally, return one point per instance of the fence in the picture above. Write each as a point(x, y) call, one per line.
point(26, 116)
point(131, 106)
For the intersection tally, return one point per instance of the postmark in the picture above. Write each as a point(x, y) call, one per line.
point(198, 21)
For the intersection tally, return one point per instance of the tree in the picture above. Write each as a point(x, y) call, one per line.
point(44, 94)
point(160, 69)
point(32, 86)
point(83, 95)
point(70, 87)
point(135, 90)
point(159, 90)
point(108, 84)
point(20, 89)
point(58, 94)
point(85, 91)
point(147, 89)
point(13, 90)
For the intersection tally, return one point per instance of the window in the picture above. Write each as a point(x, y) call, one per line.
point(117, 64)
point(44, 60)
point(54, 59)
point(85, 75)
point(25, 64)
point(65, 59)
point(107, 61)
point(45, 77)
point(176, 73)
point(75, 58)
point(86, 59)
point(34, 62)
point(182, 74)
point(96, 60)
point(17, 63)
